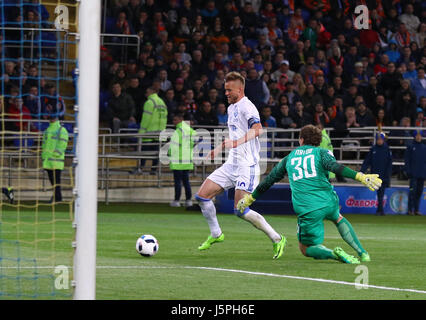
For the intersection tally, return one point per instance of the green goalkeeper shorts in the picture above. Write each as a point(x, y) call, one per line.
point(310, 226)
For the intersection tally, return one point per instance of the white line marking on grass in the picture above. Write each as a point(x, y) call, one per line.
point(250, 273)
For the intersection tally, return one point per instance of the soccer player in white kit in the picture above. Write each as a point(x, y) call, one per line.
point(241, 169)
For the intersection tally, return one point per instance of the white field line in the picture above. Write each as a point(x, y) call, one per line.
point(353, 284)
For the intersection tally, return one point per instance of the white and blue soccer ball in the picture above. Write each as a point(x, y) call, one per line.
point(147, 245)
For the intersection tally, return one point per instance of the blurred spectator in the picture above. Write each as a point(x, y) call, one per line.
point(17, 110)
point(122, 26)
point(189, 101)
point(410, 20)
point(420, 116)
point(121, 109)
point(310, 98)
point(284, 68)
point(364, 117)
point(393, 51)
point(134, 90)
point(165, 84)
point(390, 81)
point(343, 122)
point(421, 35)
point(33, 102)
point(419, 84)
point(221, 114)
point(415, 167)
point(297, 57)
point(405, 108)
point(301, 117)
point(52, 103)
point(284, 120)
point(170, 103)
point(213, 98)
point(403, 36)
point(187, 10)
point(256, 89)
point(291, 94)
point(206, 115)
point(320, 116)
point(266, 118)
point(404, 139)
point(379, 161)
point(411, 73)
point(248, 16)
point(382, 119)
point(209, 12)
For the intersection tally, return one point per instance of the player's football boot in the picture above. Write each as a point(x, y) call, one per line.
point(344, 257)
point(365, 257)
point(279, 247)
point(210, 240)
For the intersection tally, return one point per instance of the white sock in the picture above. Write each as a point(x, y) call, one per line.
point(260, 223)
point(209, 212)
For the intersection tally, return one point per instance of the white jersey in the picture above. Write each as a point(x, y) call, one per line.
point(241, 117)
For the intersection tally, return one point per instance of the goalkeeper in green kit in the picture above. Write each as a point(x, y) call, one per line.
point(313, 197)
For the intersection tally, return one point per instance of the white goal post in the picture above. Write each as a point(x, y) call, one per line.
point(89, 25)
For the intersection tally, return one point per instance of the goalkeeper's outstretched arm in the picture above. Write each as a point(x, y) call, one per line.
point(371, 181)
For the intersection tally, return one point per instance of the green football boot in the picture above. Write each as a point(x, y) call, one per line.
point(210, 240)
point(279, 247)
point(344, 257)
point(365, 257)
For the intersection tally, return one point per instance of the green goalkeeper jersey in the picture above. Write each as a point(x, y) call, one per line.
point(307, 168)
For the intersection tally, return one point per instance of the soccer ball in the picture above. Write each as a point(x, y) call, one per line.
point(147, 245)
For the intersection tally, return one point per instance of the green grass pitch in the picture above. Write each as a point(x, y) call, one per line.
point(242, 266)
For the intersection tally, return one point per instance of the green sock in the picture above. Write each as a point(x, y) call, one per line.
point(348, 234)
point(320, 252)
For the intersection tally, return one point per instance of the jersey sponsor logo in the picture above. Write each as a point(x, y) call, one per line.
point(351, 202)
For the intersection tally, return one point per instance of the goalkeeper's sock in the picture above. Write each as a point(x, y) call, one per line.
point(209, 212)
point(320, 252)
point(259, 222)
point(348, 234)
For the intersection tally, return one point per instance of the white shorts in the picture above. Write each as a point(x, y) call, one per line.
point(244, 178)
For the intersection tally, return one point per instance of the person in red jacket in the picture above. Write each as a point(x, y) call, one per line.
point(17, 110)
point(368, 37)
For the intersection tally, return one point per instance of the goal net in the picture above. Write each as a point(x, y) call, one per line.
point(38, 60)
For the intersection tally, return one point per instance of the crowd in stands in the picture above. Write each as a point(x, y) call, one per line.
point(304, 61)
point(25, 94)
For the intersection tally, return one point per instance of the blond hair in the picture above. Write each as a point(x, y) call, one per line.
point(234, 76)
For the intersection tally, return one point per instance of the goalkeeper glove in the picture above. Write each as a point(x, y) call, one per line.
point(371, 181)
point(246, 201)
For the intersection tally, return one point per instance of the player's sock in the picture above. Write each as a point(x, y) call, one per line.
point(209, 212)
point(320, 252)
point(348, 234)
point(260, 223)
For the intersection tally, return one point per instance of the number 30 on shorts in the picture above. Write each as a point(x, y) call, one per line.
point(302, 168)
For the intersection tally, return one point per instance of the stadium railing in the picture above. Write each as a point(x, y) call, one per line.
point(120, 153)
